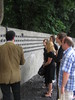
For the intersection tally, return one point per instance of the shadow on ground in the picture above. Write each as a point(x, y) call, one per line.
point(32, 90)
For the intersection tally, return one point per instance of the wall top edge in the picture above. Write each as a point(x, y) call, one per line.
point(18, 31)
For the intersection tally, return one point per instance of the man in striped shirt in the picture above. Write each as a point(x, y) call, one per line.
point(66, 79)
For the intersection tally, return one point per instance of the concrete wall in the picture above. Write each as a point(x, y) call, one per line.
point(32, 43)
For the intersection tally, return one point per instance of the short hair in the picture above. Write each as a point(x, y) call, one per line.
point(53, 38)
point(61, 36)
point(10, 35)
point(45, 40)
point(69, 41)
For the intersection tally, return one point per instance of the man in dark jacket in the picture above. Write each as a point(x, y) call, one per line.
point(57, 58)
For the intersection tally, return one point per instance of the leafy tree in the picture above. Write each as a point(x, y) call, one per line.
point(49, 16)
point(1, 10)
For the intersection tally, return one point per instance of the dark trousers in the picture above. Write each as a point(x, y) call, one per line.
point(57, 74)
point(74, 92)
point(6, 90)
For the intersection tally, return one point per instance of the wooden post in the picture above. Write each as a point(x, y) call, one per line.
point(1, 10)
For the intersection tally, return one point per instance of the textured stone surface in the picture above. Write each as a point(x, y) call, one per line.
point(32, 90)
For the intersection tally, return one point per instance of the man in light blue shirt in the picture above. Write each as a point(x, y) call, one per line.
point(66, 79)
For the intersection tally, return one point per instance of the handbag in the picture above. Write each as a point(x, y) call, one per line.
point(41, 71)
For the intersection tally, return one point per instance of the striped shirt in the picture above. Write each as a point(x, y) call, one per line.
point(68, 65)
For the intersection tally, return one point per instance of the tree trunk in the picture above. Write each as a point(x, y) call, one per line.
point(1, 11)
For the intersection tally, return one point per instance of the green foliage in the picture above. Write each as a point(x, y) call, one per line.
point(49, 16)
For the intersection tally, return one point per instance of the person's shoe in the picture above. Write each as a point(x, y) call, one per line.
point(53, 81)
point(44, 86)
point(48, 95)
point(51, 90)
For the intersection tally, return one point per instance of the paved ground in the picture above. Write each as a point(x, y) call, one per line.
point(32, 90)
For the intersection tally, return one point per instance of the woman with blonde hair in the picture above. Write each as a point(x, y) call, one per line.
point(50, 47)
point(49, 66)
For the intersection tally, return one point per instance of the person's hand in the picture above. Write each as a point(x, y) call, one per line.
point(62, 90)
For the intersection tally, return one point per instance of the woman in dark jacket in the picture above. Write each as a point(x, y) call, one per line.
point(57, 58)
point(49, 66)
point(52, 38)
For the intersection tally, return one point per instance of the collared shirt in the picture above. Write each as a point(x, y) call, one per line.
point(68, 65)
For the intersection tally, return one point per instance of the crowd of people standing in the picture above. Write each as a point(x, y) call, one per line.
point(63, 60)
